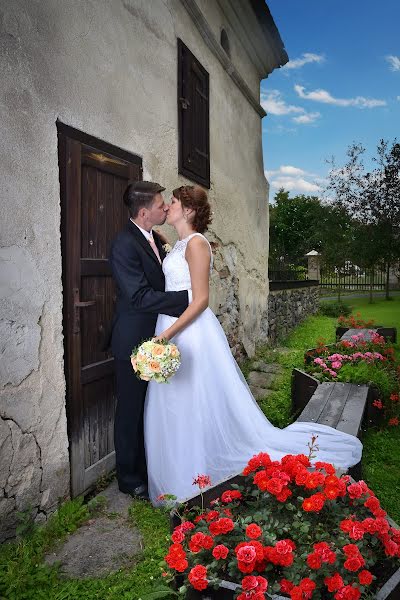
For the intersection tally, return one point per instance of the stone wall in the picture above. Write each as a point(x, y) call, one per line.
point(287, 308)
point(110, 70)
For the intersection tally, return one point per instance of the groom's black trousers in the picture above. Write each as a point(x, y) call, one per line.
point(128, 427)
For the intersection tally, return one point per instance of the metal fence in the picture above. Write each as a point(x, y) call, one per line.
point(284, 271)
point(353, 278)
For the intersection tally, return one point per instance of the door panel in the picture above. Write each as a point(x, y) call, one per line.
point(93, 177)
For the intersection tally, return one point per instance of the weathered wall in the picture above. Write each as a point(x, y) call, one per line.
point(287, 308)
point(109, 69)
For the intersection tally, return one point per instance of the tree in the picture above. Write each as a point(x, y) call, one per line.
point(294, 226)
point(373, 198)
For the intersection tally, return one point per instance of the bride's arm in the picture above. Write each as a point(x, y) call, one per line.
point(198, 258)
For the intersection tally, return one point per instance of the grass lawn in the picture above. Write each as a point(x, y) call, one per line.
point(24, 576)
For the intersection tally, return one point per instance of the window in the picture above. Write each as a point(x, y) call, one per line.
point(225, 42)
point(193, 117)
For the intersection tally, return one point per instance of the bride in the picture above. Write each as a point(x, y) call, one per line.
point(205, 421)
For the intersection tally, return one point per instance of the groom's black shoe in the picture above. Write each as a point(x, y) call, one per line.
point(139, 492)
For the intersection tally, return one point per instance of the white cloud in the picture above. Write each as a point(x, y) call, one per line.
point(394, 62)
point(273, 103)
point(292, 179)
point(398, 97)
point(326, 98)
point(306, 57)
point(307, 118)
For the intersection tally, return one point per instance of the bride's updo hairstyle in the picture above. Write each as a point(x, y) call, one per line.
point(194, 197)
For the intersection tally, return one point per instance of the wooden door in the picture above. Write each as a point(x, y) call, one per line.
point(93, 177)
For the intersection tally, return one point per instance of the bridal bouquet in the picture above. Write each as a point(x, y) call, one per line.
point(156, 361)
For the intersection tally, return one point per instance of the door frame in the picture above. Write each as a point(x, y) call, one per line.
point(69, 141)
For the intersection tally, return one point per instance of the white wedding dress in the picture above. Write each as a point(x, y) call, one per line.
point(205, 420)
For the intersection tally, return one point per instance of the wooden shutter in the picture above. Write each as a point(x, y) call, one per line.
point(193, 117)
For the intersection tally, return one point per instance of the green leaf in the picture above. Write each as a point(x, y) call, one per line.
point(163, 592)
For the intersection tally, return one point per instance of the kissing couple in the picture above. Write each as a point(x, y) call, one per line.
point(205, 420)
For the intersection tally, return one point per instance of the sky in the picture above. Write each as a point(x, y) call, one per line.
point(341, 85)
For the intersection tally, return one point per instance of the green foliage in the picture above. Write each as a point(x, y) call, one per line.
point(335, 309)
point(369, 374)
point(381, 467)
point(294, 226)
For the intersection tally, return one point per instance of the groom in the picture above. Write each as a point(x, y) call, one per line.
point(136, 257)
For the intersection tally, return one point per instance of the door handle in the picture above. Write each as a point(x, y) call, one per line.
point(76, 326)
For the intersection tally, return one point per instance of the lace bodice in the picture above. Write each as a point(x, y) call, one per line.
point(176, 268)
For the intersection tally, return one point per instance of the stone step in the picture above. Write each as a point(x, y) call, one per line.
point(260, 379)
point(260, 393)
point(266, 367)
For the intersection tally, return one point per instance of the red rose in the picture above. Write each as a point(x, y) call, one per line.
point(353, 563)
point(186, 526)
point(284, 546)
point(253, 531)
point(223, 525)
point(245, 567)
point(176, 558)
point(181, 565)
point(196, 542)
point(197, 577)
point(307, 585)
point(283, 495)
point(314, 480)
point(331, 492)
point(334, 583)
point(351, 550)
point(220, 551)
point(286, 586)
point(301, 476)
point(274, 485)
point(230, 496)
point(355, 491)
point(249, 583)
point(372, 503)
point(261, 480)
point(211, 515)
point(365, 577)
point(348, 592)
point(246, 554)
point(314, 561)
point(262, 583)
point(226, 525)
point(178, 536)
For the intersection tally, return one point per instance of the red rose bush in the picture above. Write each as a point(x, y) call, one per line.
point(294, 528)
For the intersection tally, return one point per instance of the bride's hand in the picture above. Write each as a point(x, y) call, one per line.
point(161, 337)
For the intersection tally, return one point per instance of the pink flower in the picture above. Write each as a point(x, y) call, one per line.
point(336, 365)
point(202, 481)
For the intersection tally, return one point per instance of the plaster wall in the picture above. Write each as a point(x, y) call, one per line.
point(110, 70)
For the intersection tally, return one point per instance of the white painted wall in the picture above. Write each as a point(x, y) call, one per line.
point(108, 68)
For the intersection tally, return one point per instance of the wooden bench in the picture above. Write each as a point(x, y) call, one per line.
point(341, 406)
point(389, 333)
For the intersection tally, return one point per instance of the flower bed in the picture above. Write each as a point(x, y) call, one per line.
point(362, 361)
point(291, 527)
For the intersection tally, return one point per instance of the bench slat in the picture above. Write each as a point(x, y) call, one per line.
point(337, 400)
point(365, 332)
point(317, 403)
point(352, 415)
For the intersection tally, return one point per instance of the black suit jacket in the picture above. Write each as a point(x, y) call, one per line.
point(140, 290)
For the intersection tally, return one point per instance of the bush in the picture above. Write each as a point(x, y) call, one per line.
point(334, 309)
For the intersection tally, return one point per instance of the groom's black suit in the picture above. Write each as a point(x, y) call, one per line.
point(140, 298)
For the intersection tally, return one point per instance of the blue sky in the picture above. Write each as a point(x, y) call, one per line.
point(342, 84)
